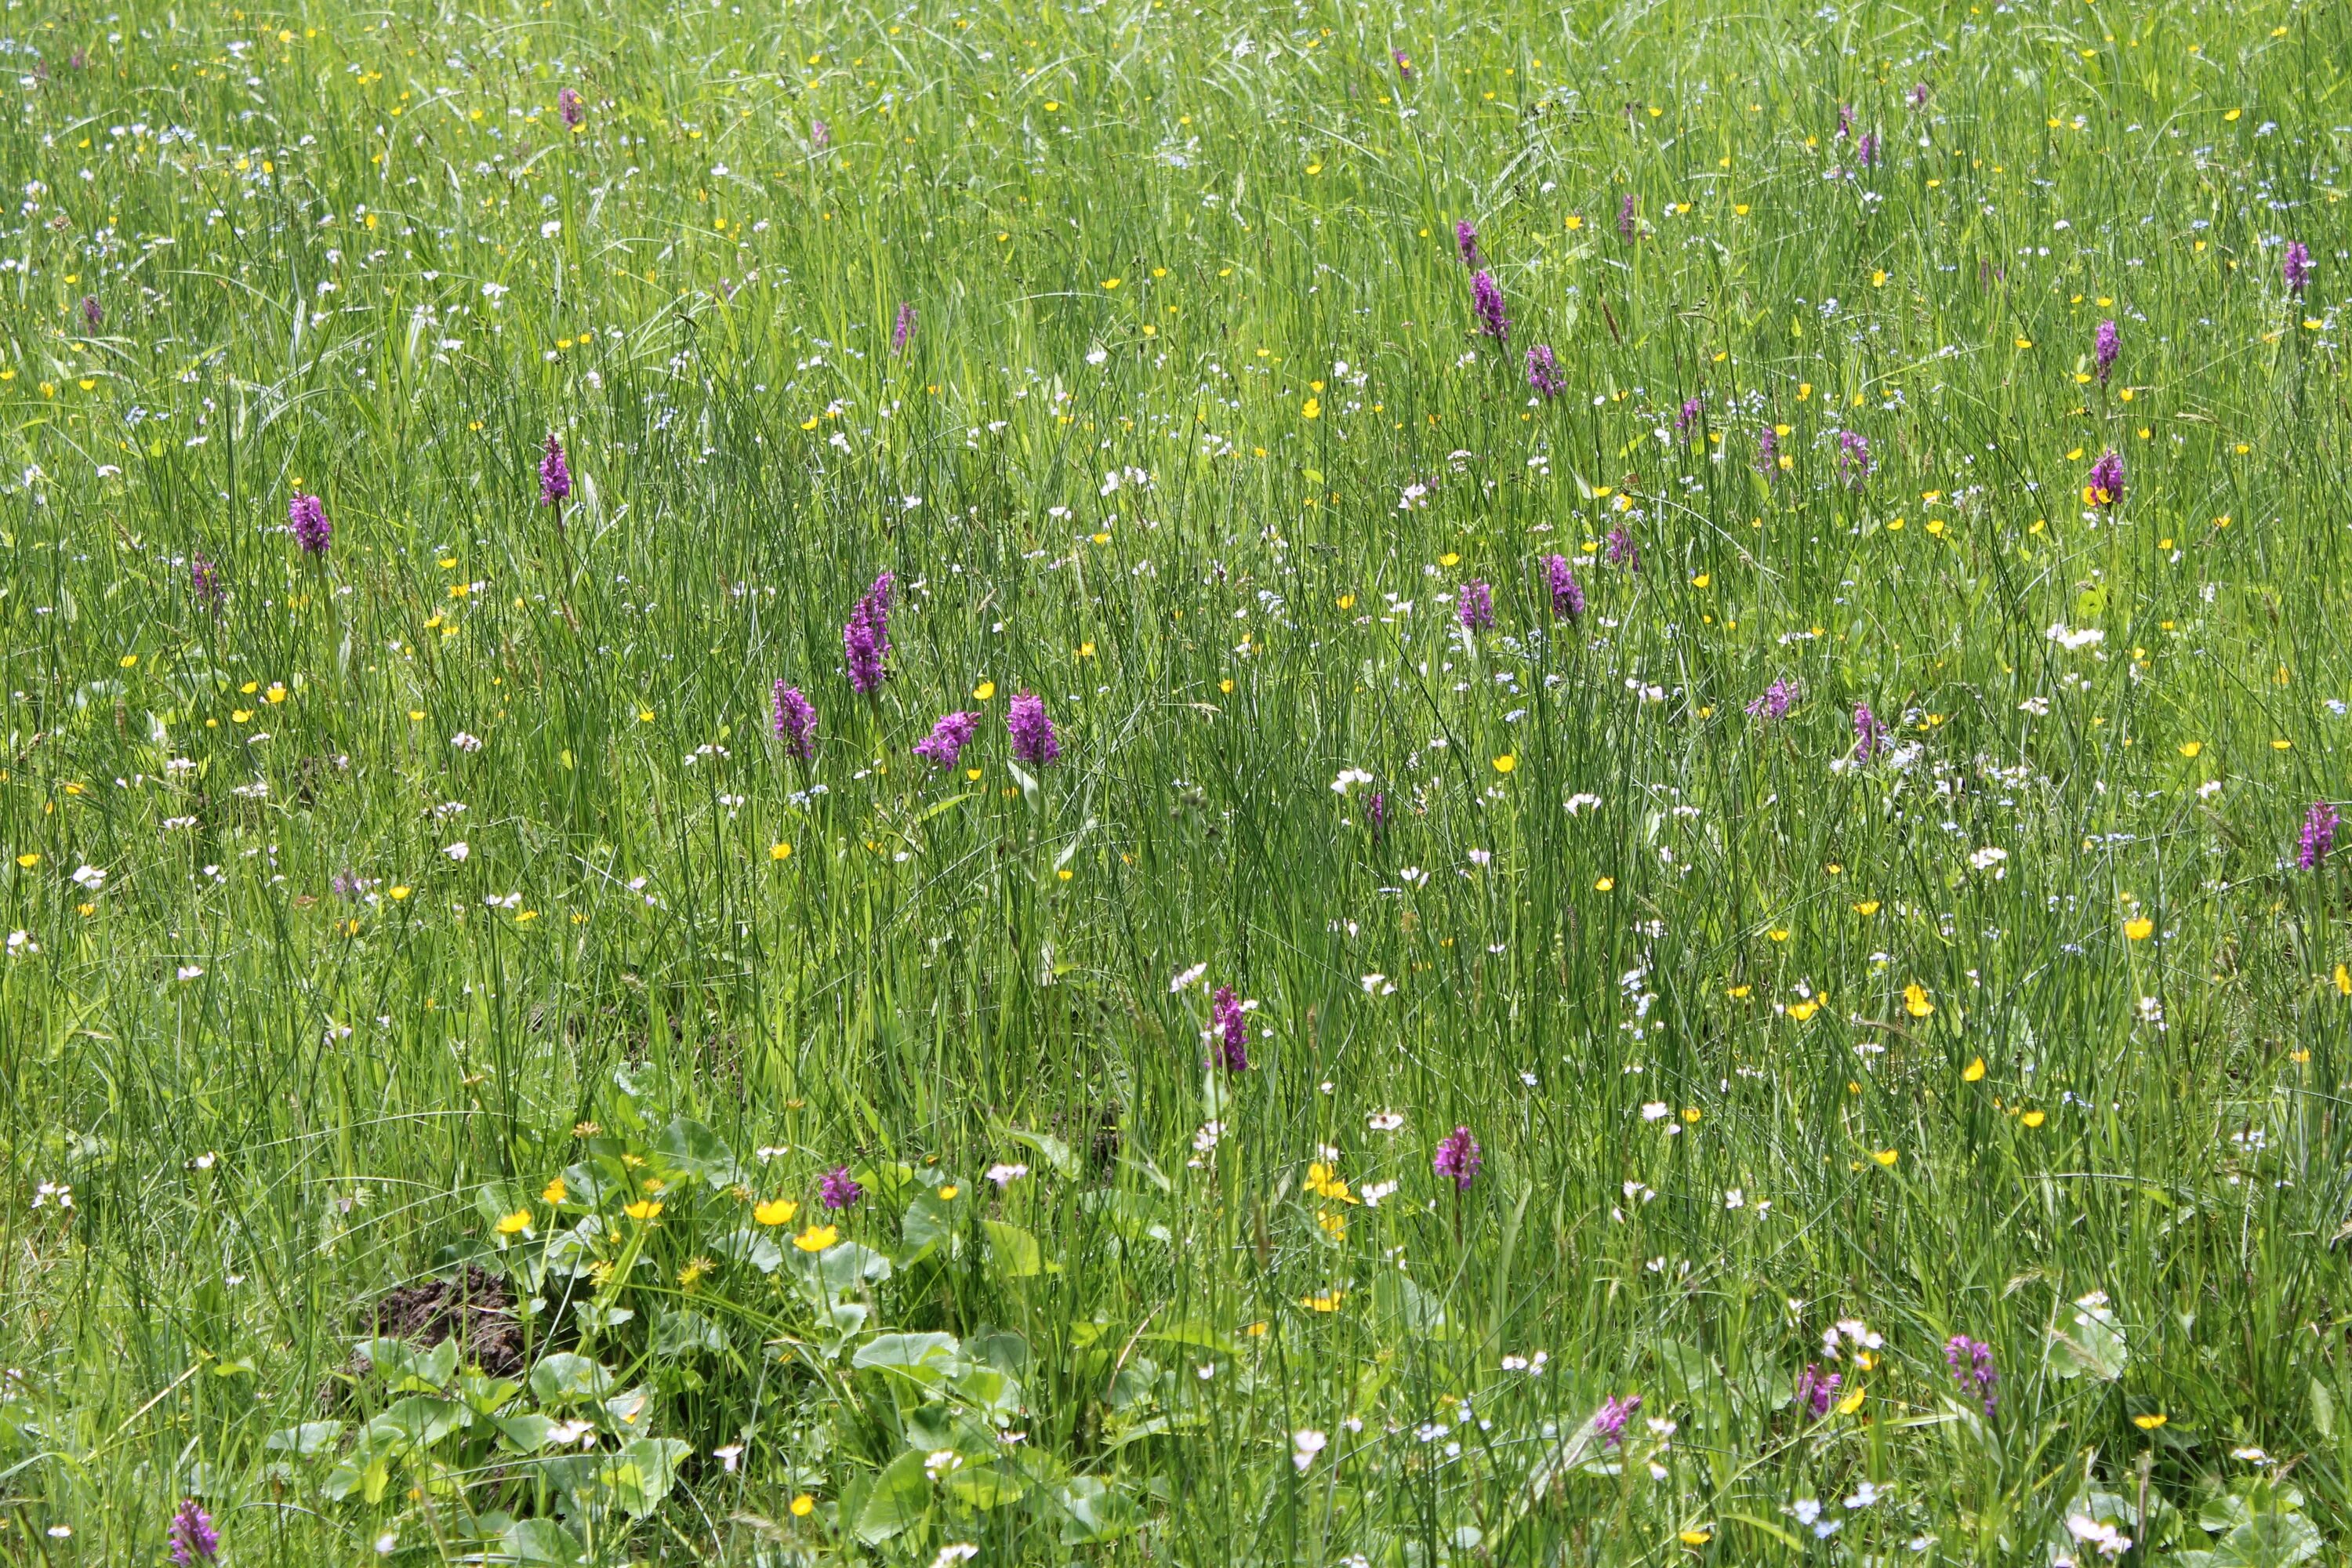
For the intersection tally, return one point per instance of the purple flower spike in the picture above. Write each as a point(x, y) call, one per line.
point(92, 312)
point(567, 104)
point(1775, 703)
point(555, 473)
point(1854, 461)
point(1474, 606)
point(1034, 741)
point(193, 1539)
point(1845, 120)
point(204, 577)
point(903, 332)
point(1768, 454)
point(1865, 152)
point(795, 721)
point(1543, 372)
point(865, 637)
point(2105, 484)
point(820, 136)
point(1629, 226)
point(1869, 734)
point(1688, 420)
point(839, 1189)
point(1458, 1159)
point(1404, 64)
point(1972, 1369)
point(2296, 269)
point(2104, 350)
point(1465, 240)
point(1232, 1029)
point(1816, 1392)
point(1608, 1421)
point(306, 516)
point(949, 737)
point(1567, 597)
point(2318, 835)
point(1486, 304)
point(1620, 550)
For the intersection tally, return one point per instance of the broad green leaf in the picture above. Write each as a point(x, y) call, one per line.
point(419, 1421)
point(1012, 1250)
point(565, 1378)
point(932, 1353)
point(638, 1477)
point(753, 1245)
point(1094, 1512)
point(2089, 1343)
point(541, 1541)
point(985, 1487)
point(306, 1439)
point(695, 1149)
point(525, 1434)
point(901, 1494)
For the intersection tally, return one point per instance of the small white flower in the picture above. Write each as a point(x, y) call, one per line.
point(90, 876)
point(465, 742)
point(1004, 1175)
point(1986, 858)
point(1305, 1443)
point(1655, 1110)
point(387, 1543)
point(21, 942)
point(2091, 1533)
point(1373, 1192)
point(1378, 985)
point(939, 1461)
point(550, 228)
point(1186, 979)
point(1385, 1120)
point(457, 851)
point(731, 1456)
point(191, 970)
point(1578, 803)
point(954, 1553)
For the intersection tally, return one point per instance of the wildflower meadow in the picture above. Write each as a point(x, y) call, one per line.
point(1161, 781)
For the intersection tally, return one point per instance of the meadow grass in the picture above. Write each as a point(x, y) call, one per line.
point(1869, 902)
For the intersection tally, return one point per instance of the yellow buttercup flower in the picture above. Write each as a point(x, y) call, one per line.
point(816, 1239)
point(2139, 930)
point(775, 1211)
point(1974, 1072)
point(554, 1191)
point(514, 1223)
point(1915, 1000)
point(1887, 1156)
point(644, 1209)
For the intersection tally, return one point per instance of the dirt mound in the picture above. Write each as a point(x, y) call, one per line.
point(475, 1308)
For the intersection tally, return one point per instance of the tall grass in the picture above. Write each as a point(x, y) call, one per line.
point(418, 872)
